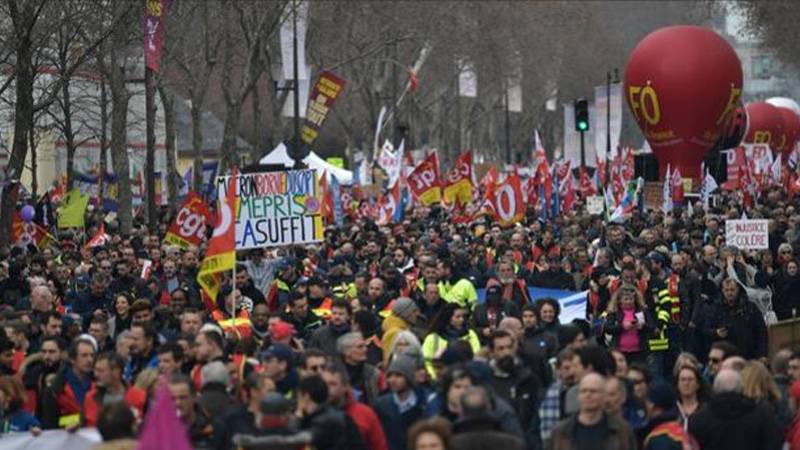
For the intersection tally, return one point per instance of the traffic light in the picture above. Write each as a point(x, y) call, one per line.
point(581, 115)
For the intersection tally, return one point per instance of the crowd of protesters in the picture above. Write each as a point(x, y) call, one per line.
point(419, 335)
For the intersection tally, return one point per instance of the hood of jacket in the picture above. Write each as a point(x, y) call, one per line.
point(730, 405)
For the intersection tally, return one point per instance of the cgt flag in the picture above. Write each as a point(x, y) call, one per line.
point(221, 253)
point(458, 182)
point(424, 181)
point(189, 227)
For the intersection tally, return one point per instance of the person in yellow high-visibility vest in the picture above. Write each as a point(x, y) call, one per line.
point(448, 327)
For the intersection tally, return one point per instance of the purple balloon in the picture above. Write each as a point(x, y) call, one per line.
point(28, 213)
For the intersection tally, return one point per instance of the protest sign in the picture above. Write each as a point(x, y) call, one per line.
point(458, 182)
point(189, 226)
point(276, 208)
point(320, 102)
point(595, 204)
point(424, 181)
point(747, 234)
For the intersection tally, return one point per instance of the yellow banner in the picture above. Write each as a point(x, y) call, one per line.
point(73, 209)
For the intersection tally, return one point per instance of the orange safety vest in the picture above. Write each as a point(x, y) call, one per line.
point(323, 311)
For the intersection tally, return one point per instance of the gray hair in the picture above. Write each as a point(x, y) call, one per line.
point(346, 340)
point(410, 338)
point(728, 380)
point(214, 372)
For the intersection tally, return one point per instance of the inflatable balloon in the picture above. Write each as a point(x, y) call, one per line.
point(681, 84)
point(783, 102)
point(791, 131)
point(765, 125)
point(27, 213)
point(734, 130)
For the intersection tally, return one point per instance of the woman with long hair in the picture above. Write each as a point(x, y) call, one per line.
point(759, 385)
point(448, 327)
point(121, 320)
point(629, 323)
point(692, 391)
point(13, 418)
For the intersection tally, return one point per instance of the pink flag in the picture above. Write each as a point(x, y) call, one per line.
point(163, 430)
point(155, 17)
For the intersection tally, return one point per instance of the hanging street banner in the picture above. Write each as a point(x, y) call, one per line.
point(155, 16)
point(747, 234)
point(320, 102)
point(276, 208)
point(599, 119)
point(189, 226)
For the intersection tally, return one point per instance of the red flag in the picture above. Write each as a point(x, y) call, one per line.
point(601, 171)
point(221, 253)
point(532, 191)
point(99, 239)
point(587, 187)
point(677, 186)
point(507, 201)
point(413, 82)
point(191, 221)
point(629, 166)
point(458, 182)
point(567, 193)
point(155, 18)
point(424, 181)
point(388, 204)
point(489, 178)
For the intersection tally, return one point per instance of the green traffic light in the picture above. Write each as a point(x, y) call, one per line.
point(583, 126)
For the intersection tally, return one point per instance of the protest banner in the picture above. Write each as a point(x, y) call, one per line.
point(747, 234)
point(189, 226)
point(507, 201)
point(276, 208)
point(320, 102)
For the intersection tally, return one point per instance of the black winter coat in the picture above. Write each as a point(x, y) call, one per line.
point(746, 327)
point(731, 421)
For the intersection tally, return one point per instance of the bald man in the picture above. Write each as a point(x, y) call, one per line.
point(592, 428)
point(732, 421)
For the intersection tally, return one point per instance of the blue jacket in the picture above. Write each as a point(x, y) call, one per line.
point(396, 424)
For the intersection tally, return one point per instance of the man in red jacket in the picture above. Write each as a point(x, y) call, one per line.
point(340, 396)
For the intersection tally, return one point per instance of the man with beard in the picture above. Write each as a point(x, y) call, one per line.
point(737, 320)
point(513, 288)
point(514, 382)
point(378, 299)
point(143, 352)
point(686, 287)
point(488, 315)
point(299, 315)
point(189, 264)
point(259, 326)
point(124, 282)
point(324, 338)
point(550, 274)
point(63, 399)
point(246, 286)
point(109, 387)
point(94, 299)
point(318, 300)
point(37, 368)
point(340, 395)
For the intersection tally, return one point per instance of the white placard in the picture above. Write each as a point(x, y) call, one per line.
point(595, 204)
point(747, 234)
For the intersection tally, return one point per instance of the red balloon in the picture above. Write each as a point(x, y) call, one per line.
point(765, 125)
point(791, 131)
point(681, 84)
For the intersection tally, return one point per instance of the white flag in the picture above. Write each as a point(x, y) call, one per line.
point(775, 172)
point(390, 161)
point(666, 192)
point(467, 80)
point(708, 186)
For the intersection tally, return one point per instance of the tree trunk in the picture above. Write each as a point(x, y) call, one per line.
point(173, 177)
point(34, 164)
point(197, 144)
point(150, 155)
point(119, 143)
point(23, 113)
point(228, 151)
point(69, 135)
point(258, 145)
point(103, 128)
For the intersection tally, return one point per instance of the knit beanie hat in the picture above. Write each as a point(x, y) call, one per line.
point(405, 366)
point(404, 308)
